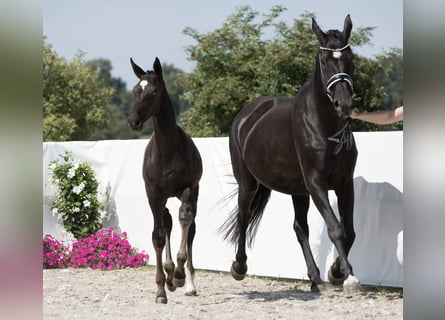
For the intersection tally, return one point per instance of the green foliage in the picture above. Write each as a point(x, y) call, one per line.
point(74, 98)
point(76, 204)
point(251, 56)
point(386, 74)
point(119, 105)
point(391, 79)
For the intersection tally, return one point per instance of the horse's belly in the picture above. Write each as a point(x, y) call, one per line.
point(274, 168)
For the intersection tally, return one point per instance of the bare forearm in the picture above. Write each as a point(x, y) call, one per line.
point(380, 117)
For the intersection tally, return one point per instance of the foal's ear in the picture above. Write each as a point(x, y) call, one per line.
point(318, 32)
point(157, 67)
point(137, 70)
point(347, 27)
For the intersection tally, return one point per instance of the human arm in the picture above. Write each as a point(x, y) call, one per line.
point(380, 117)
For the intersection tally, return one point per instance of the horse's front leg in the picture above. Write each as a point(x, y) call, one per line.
point(345, 199)
point(186, 219)
point(336, 231)
point(159, 236)
point(169, 266)
point(301, 228)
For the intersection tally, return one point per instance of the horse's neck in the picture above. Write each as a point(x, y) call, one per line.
point(164, 125)
point(321, 107)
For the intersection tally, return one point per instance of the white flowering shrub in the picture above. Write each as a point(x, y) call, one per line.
point(76, 203)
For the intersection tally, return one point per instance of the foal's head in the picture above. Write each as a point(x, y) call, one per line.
point(147, 94)
point(336, 66)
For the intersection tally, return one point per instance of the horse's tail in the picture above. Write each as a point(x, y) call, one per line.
point(230, 228)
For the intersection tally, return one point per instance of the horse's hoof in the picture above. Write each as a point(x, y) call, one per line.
point(237, 276)
point(171, 287)
point(336, 281)
point(162, 300)
point(318, 287)
point(352, 285)
point(191, 293)
point(178, 282)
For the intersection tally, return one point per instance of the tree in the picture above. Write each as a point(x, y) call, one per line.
point(119, 105)
point(386, 74)
point(391, 79)
point(237, 63)
point(74, 99)
point(174, 88)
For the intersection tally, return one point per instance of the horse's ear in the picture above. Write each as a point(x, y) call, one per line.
point(347, 27)
point(137, 70)
point(318, 32)
point(157, 67)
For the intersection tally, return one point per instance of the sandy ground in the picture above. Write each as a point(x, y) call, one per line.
point(130, 294)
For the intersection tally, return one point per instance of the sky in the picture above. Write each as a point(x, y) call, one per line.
point(117, 30)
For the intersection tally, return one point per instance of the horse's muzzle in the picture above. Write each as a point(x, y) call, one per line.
point(135, 123)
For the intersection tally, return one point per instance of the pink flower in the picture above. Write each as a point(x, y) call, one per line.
point(104, 250)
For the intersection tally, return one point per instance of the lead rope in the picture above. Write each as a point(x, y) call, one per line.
point(345, 138)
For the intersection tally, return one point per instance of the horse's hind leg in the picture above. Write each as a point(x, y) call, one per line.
point(301, 207)
point(190, 289)
point(246, 193)
point(186, 218)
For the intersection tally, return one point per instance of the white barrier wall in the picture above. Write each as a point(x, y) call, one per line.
point(378, 208)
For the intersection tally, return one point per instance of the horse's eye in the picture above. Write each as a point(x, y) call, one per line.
point(153, 93)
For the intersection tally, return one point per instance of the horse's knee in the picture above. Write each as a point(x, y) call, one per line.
point(302, 233)
point(336, 232)
point(168, 223)
point(186, 213)
point(158, 238)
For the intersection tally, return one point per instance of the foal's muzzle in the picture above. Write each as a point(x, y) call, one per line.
point(135, 123)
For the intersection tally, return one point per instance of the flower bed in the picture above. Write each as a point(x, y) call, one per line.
point(105, 249)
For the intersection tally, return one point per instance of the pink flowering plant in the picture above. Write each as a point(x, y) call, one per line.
point(76, 203)
point(105, 249)
point(55, 254)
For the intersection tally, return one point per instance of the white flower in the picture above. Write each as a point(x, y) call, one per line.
point(78, 189)
point(75, 166)
point(55, 211)
point(52, 166)
point(76, 209)
point(71, 173)
point(86, 203)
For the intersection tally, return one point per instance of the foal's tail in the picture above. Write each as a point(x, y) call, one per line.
point(230, 228)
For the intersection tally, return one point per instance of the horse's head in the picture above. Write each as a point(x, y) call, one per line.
point(147, 94)
point(336, 66)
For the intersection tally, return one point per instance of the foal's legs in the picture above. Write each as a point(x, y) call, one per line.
point(169, 266)
point(187, 212)
point(301, 207)
point(190, 289)
point(159, 237)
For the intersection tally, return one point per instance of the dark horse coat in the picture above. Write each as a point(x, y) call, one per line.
point(301, 146)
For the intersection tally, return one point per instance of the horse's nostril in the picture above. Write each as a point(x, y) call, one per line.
point(336, 104)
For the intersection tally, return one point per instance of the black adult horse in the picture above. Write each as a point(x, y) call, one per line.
point(302, 146)
point(172, 167)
